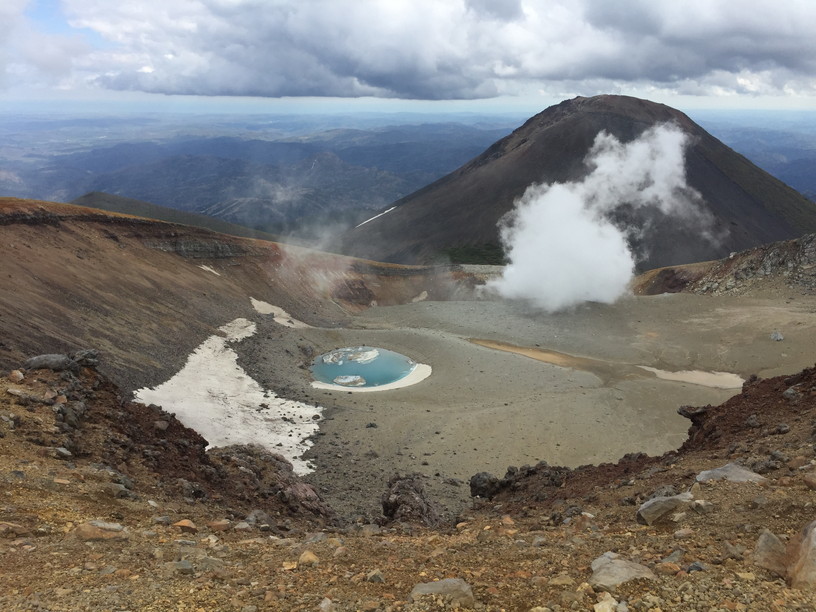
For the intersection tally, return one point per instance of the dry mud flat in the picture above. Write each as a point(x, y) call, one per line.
point(485, 409)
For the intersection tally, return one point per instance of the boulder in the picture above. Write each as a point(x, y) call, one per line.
point(94, 531)
point(59, 362)
point(801, 555)
point(609, 570)
point(769, 553)
point(56, 362)
point(456, 590)
point(406, 501)
point(730, 472)
point(484, 484)
point(659, 508)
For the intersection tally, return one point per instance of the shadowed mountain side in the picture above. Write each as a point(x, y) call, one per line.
point(750, 207)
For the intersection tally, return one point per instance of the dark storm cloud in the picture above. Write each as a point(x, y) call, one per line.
point(427, 49)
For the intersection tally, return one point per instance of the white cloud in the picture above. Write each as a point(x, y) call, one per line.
point(429, 49)
point(29, 55)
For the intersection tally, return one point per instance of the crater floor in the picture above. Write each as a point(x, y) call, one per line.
point(485, 409)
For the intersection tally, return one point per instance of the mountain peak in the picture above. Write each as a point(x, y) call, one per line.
point(748, 206)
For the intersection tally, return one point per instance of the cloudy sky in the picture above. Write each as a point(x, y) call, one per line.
point(727, 53)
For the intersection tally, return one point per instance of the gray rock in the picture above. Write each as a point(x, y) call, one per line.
point(258, 517)
point(208, 564)
point(664, 491)
point(484, 484)
point(769, 553)
point(455, 589)
point(62, 453)
point(375, 576)
point(59, 362)
point(116, 490)
point(791, 393)
point(327, 605)
point(802, 559)
point(406, 501)
point(181, 567)
point(675, 557)
point(609, 570)
point(777, 336)
point(54, 361)
point(659, 508)
point(782, 428)
point(106, 525)
point(730, 472)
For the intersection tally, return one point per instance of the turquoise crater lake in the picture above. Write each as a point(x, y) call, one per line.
point(361, 366)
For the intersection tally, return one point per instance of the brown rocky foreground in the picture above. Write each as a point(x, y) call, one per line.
point(109, 505)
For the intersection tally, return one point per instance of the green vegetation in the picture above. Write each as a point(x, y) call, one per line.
point(486, 253)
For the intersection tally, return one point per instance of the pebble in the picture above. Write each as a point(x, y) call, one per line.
point(327, 605)
point(221, 525)
point(307, 559)
point(667, 569)
point(375, 576)
point(606, 603)
point(186, 526)
point(183, 567)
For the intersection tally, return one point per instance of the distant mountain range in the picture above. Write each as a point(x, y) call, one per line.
point(270, 182)
point(119, 204)
point(461, 211)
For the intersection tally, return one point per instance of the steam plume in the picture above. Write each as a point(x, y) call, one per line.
point(562, 243)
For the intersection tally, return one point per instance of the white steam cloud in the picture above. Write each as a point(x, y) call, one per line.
point(561, 241)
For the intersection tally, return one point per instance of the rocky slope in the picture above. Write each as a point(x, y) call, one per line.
point(146, 293)
point(117, 506)
point(463, 208)
point(764, 269)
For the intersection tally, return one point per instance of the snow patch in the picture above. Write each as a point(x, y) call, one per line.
point(357, 355)
point(213, 395)
point(350, 381)
point(279, 315)
point(375, 217)
point(209, 269)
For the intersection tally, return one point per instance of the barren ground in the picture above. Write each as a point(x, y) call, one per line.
point(484, 409)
